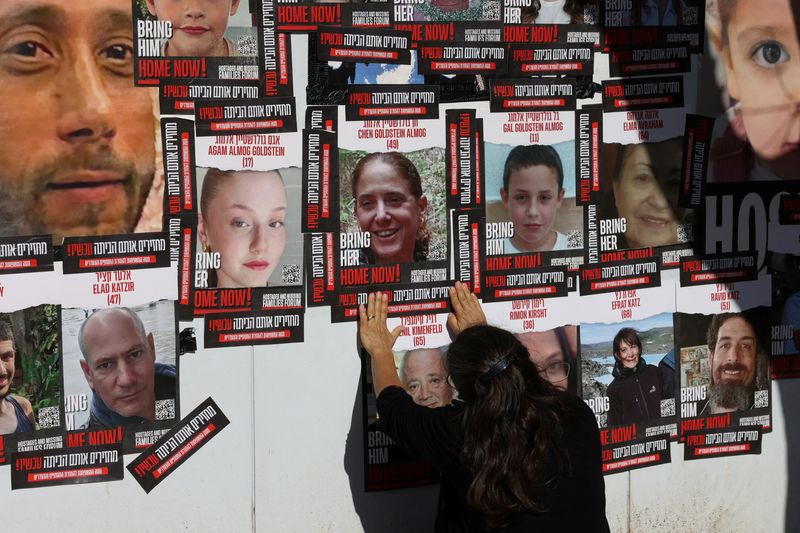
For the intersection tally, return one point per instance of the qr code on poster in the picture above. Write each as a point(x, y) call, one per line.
point(48, 417)
point(668, 407)
point(165, 409)
point(761, 398)
point(574, 239)
point(247, 45)
point(437, 251)
point(490, 10)
point(591, 14)
point(290, 274)
point(684, 232)
point(690, 16)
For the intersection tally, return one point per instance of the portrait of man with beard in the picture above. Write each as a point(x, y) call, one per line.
point(79, 140)
point(738, 362)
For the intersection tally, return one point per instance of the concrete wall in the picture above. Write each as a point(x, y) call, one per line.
point(291, 461)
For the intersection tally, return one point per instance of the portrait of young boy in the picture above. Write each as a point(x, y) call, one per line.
point(758, 138)
point(537, 196)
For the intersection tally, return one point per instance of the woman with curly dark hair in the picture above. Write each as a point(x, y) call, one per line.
point(516, 454)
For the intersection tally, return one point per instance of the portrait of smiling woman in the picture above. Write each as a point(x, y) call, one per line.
point(390, 205)
point(398, 198)
point(643, 190)
point(635, 392)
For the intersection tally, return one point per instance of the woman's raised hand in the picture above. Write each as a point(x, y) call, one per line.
point(467, 310)
point(375, 336)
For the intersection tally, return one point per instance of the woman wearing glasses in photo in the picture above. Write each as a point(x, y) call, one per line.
point(515, 452)
point(554, 354)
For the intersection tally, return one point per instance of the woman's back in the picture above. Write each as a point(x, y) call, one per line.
point(577, 500)
point(516, 454)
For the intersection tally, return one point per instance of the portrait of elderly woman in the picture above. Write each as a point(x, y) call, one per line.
point(640, 185)
point(248, 227)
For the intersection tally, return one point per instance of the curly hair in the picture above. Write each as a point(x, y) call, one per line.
point(407, 170)
point(513, 436)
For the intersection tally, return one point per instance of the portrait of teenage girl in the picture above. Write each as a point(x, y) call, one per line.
point(758, 138)
point(243, 220)
point(515, 452)
point(390, 205)
point(532, 195)
point(640, 184)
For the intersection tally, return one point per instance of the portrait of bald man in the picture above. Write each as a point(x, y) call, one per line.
point(119, 364)
point(78, 154)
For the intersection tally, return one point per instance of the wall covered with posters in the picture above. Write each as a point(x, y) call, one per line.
point(195, 197)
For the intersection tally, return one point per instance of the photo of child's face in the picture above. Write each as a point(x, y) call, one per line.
point(649, 174)
point(198, 26)
point(246, 224)
point(762, 59)
point(532, 200)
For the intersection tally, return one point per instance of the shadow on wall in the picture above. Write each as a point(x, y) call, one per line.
point(790, 400)
point(398, 510)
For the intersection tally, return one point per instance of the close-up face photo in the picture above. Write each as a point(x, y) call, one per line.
point(532, 199)
point(387, 207)
point(30, 370)
point(733, 360)
point(762, 62)
point(547, 353)
point(628, 354)
point(7, 362)
point(530, 188)
point(424, 377)
point(78, 156)
point(119, 364)
point(645, 192)
point(243, 219)
point(198, 26)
